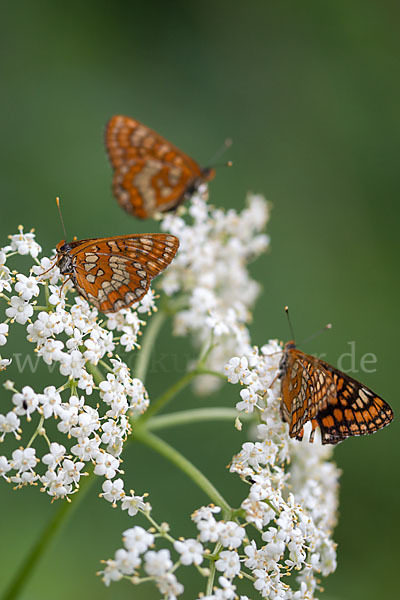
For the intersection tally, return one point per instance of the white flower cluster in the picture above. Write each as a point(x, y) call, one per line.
point(293, 508)
point(283, 525)
point(210, 271)
point(69, 335)
point(158, 566)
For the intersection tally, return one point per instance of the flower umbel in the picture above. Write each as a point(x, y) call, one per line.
point(83, 419)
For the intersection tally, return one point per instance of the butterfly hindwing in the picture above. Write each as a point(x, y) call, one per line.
point(356, 411)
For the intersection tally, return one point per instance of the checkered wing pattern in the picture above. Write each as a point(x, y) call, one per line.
point(114, 273)
point(150, 174)
point(313, 390)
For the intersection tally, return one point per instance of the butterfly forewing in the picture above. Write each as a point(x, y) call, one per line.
point(114, 273)
point(150, 174)
point(313, 390)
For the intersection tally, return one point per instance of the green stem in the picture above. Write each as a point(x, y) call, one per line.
point(149, 439)
point(211, 577)
point(196, 415)
point(204, 371)
point(22, 576)
point(149, 336)
point(162, 400)
point(98, 375)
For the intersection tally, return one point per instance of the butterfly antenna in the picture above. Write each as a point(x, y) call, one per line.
point(289, 321)
point(212, 162)
point(61, 217)
point(311, 337)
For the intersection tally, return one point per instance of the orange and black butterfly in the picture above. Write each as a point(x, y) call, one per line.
point(312, 390)
point(115, 272)
point(150, 174)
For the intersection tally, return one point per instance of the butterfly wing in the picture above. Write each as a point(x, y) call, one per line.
point(150, 174)
point(306, 389)
point(313, 390)
point(114, 273)
point(356, 410)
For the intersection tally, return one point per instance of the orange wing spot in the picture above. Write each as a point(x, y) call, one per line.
point(349, 414)
point(328, 421)
point(359, 416)
point(373, 411)
point(337, 413)
point(339, 383)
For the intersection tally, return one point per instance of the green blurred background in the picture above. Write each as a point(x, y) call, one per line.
point(309, 92)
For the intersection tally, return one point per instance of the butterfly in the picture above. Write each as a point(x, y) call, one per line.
point(115, 272)
point(312, 390)
point(150, 174)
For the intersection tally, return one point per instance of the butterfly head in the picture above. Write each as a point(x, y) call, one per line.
point(290, 345)
point(64, 260)
point(60, 248)
point(207, 173)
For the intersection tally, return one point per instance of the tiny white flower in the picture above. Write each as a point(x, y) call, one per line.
point(51, 350)
point(205, 512)
point(55, 456)
point(157, 563)
point(147, 303)
point(87, 449)
point(137, 539)
point(191, 551)
point(24, 459)
point(72, 471)
point(237, 370)
point(228, 563)
point(4, 363)
point(26, 287)
point(3, 333)
point(4, 467)
point(26, 402)
point(209, 529)
point(169, 586)
point(249, 400)
point(111, 572)
point(72, 364)
point(47, 269)
point(133, 504)
point(231, 534)
point(5, 275)
point(9, 423)
point(24, 243)
point(129, 340)
point(126, 562)
point(106, 465)
point(113, 491)
point(19, 310)
point(86, 382)
point(55, 483)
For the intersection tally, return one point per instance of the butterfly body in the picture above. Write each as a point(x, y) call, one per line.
point(312, 390)
point(150, 174)
point(114, 273)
